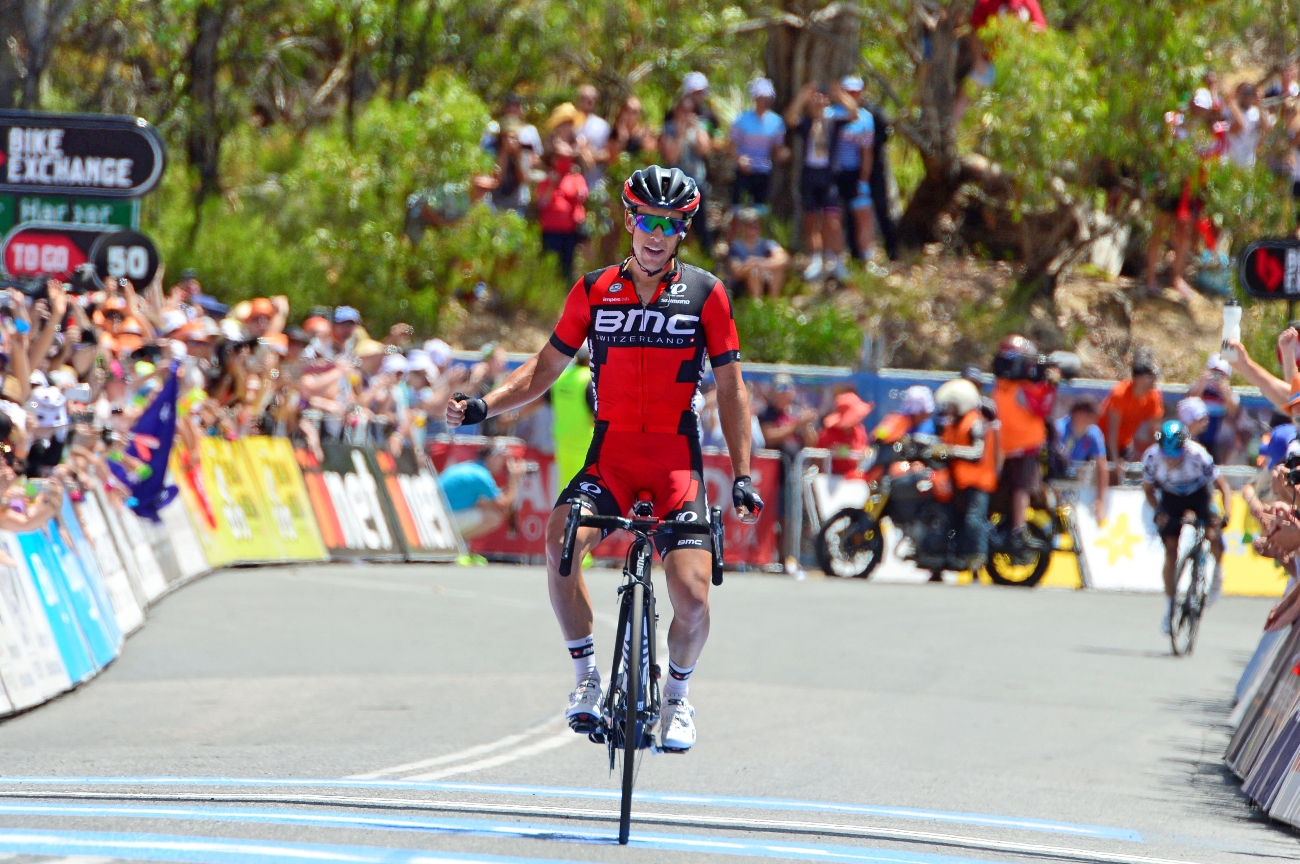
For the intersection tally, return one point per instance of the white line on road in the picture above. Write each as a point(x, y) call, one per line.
point(461, 755)
point(567, 736)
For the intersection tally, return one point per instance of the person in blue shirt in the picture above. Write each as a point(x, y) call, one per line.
point(851, 160)
point(478, 504)
point(1280, 435)
point(757, 140)
point(755, 263)
point(1081, 439)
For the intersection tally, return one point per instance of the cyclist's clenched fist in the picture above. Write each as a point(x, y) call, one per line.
point(462, 409)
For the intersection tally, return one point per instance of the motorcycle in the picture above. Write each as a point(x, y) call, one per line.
point(910, 483)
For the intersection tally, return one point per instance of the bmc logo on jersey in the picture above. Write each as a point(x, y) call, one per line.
point(642, 321)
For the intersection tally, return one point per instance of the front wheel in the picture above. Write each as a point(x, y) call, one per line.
point(850, 544)
point(631, 733)
point(1189, 598)
point(1022, 567)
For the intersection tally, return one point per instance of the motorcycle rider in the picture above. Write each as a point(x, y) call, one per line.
point(1024, 392)
point(913, 417)
point(972, 457)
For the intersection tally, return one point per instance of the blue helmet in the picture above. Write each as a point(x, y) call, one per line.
point(1172, 438)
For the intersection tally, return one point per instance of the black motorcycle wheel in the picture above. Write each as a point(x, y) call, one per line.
point(850, 544)
point(1003, 570)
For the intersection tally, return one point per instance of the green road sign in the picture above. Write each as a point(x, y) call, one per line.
point(17, 209)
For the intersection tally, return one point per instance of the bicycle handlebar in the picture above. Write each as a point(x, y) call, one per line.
point(643, 527)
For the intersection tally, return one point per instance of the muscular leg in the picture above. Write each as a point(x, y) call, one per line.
point(1019, 508)
point(689, 571)
point(569, 597)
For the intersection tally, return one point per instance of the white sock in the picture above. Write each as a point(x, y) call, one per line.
point(679, 681)
point(583, 652)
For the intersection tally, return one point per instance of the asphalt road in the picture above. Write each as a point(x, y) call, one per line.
point(856, 721)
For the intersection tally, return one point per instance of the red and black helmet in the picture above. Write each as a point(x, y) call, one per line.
point(1016, 358)
point(666, 188)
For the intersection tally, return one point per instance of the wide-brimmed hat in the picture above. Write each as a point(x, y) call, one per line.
point(849, 411)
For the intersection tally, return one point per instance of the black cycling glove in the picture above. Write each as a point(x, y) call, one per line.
point(475, 409)
point(743, 494)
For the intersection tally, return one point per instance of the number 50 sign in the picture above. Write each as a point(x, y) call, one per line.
point(125, 255)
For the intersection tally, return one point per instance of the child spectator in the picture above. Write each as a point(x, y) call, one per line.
point(754, 262)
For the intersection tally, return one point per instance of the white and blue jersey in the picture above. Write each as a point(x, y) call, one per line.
point(1195, 471)
point(852, 138)
point(756, 137)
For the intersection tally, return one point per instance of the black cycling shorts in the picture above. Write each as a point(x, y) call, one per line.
point(1199, 502)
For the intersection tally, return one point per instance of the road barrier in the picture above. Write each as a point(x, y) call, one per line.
point(1265, 750)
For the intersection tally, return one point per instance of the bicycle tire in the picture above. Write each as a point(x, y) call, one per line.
point(631, 735)
point(1185, 618)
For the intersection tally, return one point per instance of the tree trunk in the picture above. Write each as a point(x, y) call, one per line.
point(934, 133)
point(203, 143)
point(811, 42)
point(11, 33)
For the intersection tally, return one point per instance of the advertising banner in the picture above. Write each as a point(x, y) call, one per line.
point(352, 508)
point(418, 505)
point(112, 560)
point(176, 545)
point(79, 154)
point(274, 470)
point(34, 554)
point(127, 611)
point(32, 668)
point(129, 535)
point(224, 504)
point(90, 601)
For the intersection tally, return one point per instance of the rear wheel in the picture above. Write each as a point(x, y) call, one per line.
point(850, 544)
point(1185, 620)
point(1024, 568)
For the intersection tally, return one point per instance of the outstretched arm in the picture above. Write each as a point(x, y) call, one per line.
point(525, 384)
point(1274, 389)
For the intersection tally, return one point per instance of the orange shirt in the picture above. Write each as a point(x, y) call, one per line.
point(972, 475)
point(1023, 430)
point(1132, 411)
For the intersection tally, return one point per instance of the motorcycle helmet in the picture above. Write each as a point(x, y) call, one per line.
point(959, 395)
point(1016, 360)
point(1172, 438)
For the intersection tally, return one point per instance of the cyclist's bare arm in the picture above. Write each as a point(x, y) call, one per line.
point(1226, 491)
point(525, 384)
point(733, 414)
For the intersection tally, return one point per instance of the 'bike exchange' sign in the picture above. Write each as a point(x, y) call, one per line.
point(78, 154)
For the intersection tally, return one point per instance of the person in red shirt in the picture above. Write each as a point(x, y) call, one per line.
point(844, 435)
point(650, 321)
point(560, 210)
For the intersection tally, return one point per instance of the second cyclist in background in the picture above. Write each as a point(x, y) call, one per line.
point(1179, 477)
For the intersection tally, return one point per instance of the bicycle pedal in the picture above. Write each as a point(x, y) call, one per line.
point(597, 737)
point(584, 724)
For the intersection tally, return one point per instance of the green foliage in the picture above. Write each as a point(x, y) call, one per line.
point(325, 227)
point(776, 332)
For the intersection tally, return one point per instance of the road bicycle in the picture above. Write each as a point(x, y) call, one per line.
point(1190, 589)
point(631, 706)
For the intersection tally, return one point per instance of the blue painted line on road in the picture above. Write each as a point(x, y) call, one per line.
point(220, 850)
point(482, 828)
point(981, 819)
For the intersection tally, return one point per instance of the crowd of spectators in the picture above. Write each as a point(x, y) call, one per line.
point(556, 177)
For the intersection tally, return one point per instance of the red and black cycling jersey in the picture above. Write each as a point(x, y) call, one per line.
point(647, 360)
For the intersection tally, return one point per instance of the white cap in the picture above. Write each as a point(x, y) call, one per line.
point(851, 83)
point(173, 319)
point(38, 379)
point(917, 399)
point(394, 364)
point(50, 406)
point(761, 88)
point(1218, 363)
point(439, 352)
point(1203, 99)
point(419, 361)
point(63, 378)
point(694, 82)
point(1192, 409)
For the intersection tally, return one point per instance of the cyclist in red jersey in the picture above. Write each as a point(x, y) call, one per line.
point(650, 322)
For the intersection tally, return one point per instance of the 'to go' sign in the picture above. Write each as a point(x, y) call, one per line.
point(41, 249)
point(125, 255)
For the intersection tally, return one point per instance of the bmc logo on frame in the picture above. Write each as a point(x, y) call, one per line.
point(641, 321)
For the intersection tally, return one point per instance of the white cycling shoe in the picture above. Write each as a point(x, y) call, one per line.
point(677, 725)
point(584, 707)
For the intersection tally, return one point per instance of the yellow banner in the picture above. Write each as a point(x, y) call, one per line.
point(273, 468)
point(224, 505)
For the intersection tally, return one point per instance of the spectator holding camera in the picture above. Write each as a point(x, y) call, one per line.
point(478, 504)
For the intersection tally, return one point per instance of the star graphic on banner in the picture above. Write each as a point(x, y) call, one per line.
point(1118, 540)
